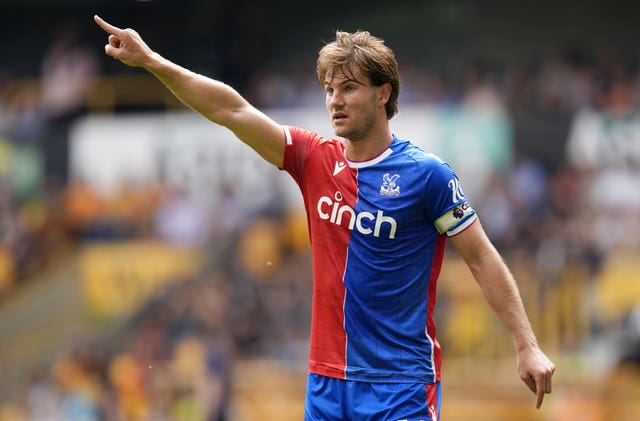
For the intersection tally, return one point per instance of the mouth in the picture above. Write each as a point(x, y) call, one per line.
point(338, 117)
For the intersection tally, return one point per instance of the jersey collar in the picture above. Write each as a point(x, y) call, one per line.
point(373, 161)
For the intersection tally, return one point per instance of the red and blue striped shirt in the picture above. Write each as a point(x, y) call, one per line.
point(378, 231)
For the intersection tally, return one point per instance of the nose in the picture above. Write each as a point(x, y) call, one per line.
point(334, 99)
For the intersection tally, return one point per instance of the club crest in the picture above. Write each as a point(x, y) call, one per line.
point(389, 186)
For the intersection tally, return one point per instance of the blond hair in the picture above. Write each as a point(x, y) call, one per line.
point(366, 52)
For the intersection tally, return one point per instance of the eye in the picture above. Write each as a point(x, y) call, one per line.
point(329, 91)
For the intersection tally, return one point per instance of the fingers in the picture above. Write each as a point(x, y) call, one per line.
point(113, 30)
point(540, 390)
point(547, 383)
point(530, 382)
point(540, 385)
point(111, 51)
point(114, 41)
point(124, 44)
point(536, 371)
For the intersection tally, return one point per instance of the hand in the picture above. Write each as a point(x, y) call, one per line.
point(536, 370)
point(125, 45)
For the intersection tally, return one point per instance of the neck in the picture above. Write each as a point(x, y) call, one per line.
point(368, 147)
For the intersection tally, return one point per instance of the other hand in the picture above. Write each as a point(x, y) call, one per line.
point(536, 371)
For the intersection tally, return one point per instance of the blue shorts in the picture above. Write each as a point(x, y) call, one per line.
point(329, 399)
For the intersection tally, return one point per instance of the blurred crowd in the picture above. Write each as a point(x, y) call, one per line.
point(175, 366)
point(568, 202)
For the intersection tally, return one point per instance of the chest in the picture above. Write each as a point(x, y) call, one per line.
point(380, 200)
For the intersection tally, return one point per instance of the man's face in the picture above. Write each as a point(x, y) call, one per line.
point(351, 102)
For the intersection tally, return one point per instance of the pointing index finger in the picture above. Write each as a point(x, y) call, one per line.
point(113, 30)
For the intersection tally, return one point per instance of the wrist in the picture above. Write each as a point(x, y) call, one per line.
point(526, 345)
point(154, 62)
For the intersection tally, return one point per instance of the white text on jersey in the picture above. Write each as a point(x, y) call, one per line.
point(330, 209)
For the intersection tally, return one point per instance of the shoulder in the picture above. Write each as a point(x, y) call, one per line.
point(421, 159)
point(304, 145)
point(296, 135)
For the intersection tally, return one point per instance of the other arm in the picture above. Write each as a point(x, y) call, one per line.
point(215, 100)
point(501, 292)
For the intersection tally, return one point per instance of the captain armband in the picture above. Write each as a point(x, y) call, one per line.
point(456, 219)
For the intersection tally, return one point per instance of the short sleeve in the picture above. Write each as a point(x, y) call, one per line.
point(298, 144)
point(445, 202)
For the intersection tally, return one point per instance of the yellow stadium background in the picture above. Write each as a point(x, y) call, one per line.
point(154, 268)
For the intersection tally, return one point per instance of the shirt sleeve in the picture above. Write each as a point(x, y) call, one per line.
point(445, 201)
point(298, 145)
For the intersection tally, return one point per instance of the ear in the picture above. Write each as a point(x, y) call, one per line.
point(384, 93)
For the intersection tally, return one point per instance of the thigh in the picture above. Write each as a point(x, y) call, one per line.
point(395, 401)
point(323, 399)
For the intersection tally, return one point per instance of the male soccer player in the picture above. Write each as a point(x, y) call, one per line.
point(379, 211)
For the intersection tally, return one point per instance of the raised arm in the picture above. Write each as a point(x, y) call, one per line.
point(213, 99)
point(501, 292)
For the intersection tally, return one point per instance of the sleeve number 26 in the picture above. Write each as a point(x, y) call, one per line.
point(456, 190)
